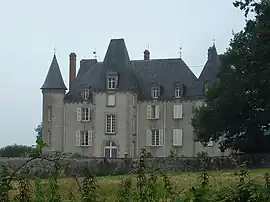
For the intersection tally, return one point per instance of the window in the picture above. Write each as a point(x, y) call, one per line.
point(152, 112)
point(84, 138)
point(178, 92)
point(111, 100)
point(177, 137)
point(49, 113)
point(110, 150)
point(83, 114)
point(154, 137)
point(110, 124)
point(86, 94)
point(86, 114)
point(111, 82)
point(49, 138)
point(178, 111)
point(134, 101)
point(206, 88)
point(133, 125)
point(155, 92)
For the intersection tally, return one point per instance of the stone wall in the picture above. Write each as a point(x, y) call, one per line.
point(103, 166)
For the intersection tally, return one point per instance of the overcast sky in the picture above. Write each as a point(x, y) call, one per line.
point(30, 29)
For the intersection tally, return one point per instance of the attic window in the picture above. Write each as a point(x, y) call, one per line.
point(86, 94)
point(178, 92)
point(155, 92)
point(111, 82)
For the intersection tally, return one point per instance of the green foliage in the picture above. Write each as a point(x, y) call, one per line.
point(15, 151)
point(38, 130)
point(237, 107)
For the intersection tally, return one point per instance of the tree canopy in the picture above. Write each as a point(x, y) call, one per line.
point(237, 107)
point(15, 151)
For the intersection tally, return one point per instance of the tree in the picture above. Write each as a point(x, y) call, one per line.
point(237, 106)
point(15, 151)
point(38, 130)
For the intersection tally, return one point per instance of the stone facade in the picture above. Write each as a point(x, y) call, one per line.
point(81, 120)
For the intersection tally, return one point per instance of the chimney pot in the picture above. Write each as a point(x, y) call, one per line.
point(146, 55)
point(72, 69)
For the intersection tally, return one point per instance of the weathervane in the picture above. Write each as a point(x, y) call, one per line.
point(54, 50)
point(95, 54)
point(214, 41)
point(180, 52)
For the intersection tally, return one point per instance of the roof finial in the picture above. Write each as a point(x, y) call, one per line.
point(214, 41)
point(148, 47)
point(54, 51)
point(95, 54)
point(180, 52)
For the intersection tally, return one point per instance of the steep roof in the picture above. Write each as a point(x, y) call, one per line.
point(54, 79)
point(141, 75)
point(211, 68)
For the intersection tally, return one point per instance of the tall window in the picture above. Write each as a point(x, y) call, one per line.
point(86, 114)
point(49, 138)
point(49, 113)
point(110, 150)
point(152, 112)
point(86, 94)
point(111, 82)
point(155, 92)
point(110, 124)
point(84, 138)
point(155, 138)
point(111, 100)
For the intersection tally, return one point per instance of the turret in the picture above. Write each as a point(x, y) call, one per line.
point(53, 91)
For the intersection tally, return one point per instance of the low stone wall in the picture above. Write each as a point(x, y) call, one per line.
point(103, 166)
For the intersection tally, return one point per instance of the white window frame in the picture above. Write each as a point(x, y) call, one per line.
point(110, 124)
point(111, 82)
point(154, 137)
point(84, 138)
point(111, 100)
point(155, 92)
point(152, 112)
point(86, 94)
point(85, 114)
point(111, 146)
point(178, 111)
point(49, 138)
point(178, 92)
point(177, 137)
point(49, 113)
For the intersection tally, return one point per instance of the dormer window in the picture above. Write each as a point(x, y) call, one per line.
point(111, 82)
point(86, 94)
point(178, 92)
point(155, 92)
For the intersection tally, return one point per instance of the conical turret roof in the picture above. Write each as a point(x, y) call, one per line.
point(54, 79)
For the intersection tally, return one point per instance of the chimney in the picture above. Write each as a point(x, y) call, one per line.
point(72, 69)
point(146, 55)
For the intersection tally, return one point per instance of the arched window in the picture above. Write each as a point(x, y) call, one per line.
point(110, 150)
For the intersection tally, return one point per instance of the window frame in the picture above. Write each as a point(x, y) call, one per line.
point(86, 94)
point(49, 111)
point(85, 112)
point(110, 127)
point(155, 92)
point(114, 103)
point(112, 146)
point(111, 82)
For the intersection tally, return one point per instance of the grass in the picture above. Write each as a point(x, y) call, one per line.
point(180, 181)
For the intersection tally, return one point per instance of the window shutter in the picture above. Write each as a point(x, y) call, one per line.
point(78, 138)
point(90, 138)
point(79, 114)
point(180, 111)
point(89, 113)
point(149, 112)
point(180, 137)
point(174, 111)
point(174, 137)
point(111, 100)
point(148, 138)
point(157, 112)
point(161, 137)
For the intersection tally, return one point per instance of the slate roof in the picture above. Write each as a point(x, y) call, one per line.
point(141, 75)
point(54, 79)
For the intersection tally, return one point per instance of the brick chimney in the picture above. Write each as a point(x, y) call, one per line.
point(146, 55)
point(72, 69)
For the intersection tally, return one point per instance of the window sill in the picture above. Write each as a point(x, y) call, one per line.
point(110, 133)
point(84, 121)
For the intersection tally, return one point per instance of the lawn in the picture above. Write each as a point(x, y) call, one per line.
point(180, 181)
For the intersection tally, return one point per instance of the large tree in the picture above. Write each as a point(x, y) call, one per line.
point(237, 106)
point(38, 130)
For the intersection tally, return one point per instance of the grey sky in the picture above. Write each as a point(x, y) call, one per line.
point(31, 29)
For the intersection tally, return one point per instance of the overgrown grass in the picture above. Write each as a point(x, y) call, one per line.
point(145, 184)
